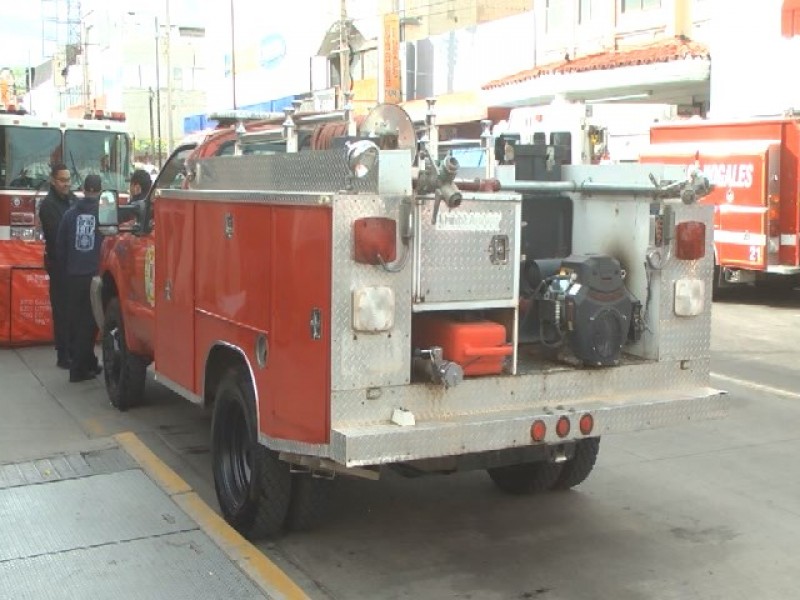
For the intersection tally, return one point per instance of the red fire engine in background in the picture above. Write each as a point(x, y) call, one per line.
point(754, 165)
point(28, 146)
point(345, 302)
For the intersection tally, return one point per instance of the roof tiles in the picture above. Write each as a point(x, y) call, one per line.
point(678, 48)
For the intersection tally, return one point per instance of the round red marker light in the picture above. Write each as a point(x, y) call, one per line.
point(562, 427)
point(586, 424)
point(538, 431)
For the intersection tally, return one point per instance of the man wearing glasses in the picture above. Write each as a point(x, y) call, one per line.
point(51, 211)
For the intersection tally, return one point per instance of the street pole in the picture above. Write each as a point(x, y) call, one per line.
point(86, 91)
point(344, 54)
point(233, 58)
point(169, 84)
point(152, 133)
point(158, 96)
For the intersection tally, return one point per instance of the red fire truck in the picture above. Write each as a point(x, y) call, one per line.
point(755, 169)
point(344, 304)
point(28, 146)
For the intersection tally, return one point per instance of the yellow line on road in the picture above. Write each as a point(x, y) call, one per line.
point(757, 386)
point(262, 570)
point(264, 573)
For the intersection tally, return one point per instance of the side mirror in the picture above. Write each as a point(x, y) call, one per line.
point(107, 213)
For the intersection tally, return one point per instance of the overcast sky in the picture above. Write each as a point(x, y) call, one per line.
point(21, 32)
point(21, 22)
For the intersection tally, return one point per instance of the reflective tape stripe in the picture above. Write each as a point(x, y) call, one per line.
point(789, 240)
point(742, 238)
point(741, 209)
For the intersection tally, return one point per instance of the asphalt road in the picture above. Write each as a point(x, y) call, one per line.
point(704, 511)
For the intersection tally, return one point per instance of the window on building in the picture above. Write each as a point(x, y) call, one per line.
point(584, 11)
point(556, 15)
point(632, 5)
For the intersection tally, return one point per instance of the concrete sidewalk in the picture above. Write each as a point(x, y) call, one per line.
point(105, 517)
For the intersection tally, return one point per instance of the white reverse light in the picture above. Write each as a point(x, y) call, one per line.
point(373, 309)
point(690, 297)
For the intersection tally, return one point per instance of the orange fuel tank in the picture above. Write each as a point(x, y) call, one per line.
point(478, 346)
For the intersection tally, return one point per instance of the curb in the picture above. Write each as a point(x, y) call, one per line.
point(262, 571)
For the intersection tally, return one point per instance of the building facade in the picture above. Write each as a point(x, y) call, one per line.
point(756, 48)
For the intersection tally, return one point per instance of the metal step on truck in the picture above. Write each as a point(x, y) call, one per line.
point(345, 302)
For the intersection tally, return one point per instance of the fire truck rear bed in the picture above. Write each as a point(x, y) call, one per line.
point(379, 413)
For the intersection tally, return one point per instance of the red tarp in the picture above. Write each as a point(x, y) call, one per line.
point(25, 316)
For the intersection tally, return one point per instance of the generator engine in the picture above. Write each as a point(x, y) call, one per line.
point(580, 307)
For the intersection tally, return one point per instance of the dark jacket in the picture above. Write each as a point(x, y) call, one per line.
point(79, 239)
point(51, 211)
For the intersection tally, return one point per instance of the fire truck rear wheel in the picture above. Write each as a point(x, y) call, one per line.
point(526, 478)
point(578, 468)
point(124, 372)
point(310, 502)
point(253, 486)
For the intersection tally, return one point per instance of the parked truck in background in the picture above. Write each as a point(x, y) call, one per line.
point(29, 145)
point(344, 303)
point(754, 165)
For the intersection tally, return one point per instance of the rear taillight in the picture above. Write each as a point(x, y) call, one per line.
point(374, 240)
point(774, 215)
point(690, 240)
point(538, 430)
point(562, 427)
point(586, 424)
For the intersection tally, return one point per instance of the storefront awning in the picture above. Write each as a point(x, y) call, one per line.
point(672, 71)
point(452, 109)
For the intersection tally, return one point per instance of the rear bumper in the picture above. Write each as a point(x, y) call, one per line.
point(389, 443)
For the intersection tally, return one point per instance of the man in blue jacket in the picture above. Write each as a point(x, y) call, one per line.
point(78, 252)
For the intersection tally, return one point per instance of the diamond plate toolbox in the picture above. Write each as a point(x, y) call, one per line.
point(470, 255)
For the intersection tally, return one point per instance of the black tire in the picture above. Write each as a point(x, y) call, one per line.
point(310, 502)
point(716, 283)
point(526, 478)
point(577, 469)
point(124, 372)
point(253, 486)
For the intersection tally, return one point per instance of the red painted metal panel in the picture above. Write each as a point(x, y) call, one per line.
point(5, 305)
point(233, 269)
point(263, 270)
point(299, 371)
point(127, 260)
point(174, 291)
point(790, 191)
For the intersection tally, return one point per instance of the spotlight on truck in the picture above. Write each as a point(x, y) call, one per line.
point(362, 156)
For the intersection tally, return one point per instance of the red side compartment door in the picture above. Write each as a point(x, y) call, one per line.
point(174, 291)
